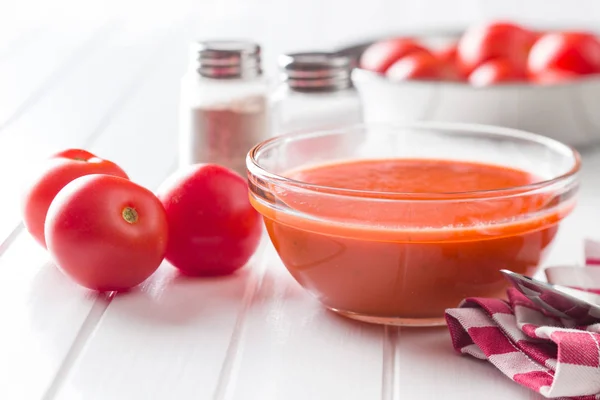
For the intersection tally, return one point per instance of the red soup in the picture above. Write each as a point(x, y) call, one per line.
point(411, 256)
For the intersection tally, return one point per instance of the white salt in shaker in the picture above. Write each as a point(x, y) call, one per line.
point(223, 104)
point(315, 92)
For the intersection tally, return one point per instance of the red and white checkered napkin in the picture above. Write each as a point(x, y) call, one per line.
point(529, 347)
point(537, 351)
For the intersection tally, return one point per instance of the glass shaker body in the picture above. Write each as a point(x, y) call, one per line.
point(295, 111)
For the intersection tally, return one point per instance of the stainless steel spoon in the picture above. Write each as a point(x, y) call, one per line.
point(561, 302)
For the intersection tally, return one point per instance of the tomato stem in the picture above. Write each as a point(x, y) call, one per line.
point(130, 215)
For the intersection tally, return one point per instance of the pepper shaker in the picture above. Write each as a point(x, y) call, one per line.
point(224, 108)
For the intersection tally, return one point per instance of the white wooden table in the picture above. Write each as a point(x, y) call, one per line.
point(105, 77)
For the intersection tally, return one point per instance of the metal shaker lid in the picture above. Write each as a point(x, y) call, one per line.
point(316, 71)
point(226, 59)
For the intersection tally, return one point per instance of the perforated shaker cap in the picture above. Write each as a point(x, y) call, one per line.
point(316, 71)
point(226, 59)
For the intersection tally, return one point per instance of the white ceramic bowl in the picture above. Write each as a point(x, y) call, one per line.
point(568, 112)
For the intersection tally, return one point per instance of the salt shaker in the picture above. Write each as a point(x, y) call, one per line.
point(224, 108)
point(315, 92)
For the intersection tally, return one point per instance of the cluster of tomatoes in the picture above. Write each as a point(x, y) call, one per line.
point(488, 54)
point(108, 233)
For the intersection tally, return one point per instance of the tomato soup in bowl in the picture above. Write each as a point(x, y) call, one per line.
point(395, 223)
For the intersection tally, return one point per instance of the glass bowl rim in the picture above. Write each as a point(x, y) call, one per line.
point(254, 168)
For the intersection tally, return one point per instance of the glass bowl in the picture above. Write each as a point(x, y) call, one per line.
point(402, 258)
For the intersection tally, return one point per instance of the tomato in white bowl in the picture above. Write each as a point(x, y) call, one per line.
point(545, 81)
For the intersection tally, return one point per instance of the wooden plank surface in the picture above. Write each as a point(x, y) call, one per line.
point(38, 65)
point(45, 310)
point(426, 367)
point(302, 350)
point(113, 88)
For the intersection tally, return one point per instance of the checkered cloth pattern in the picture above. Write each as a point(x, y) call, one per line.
point(538, 351)
point(592, 253)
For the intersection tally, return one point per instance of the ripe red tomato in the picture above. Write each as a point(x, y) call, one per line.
point(106, 232)
point(496, 71)
point(420, 66)
point(485, 42)
point(53, 175)
point(537, 34)
point(577, 52)
point(213, 229)
point(553, 77)
point(379, 56)
point(448, 56)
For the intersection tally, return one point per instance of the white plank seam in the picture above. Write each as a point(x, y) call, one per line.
point(226, 383)
point(87, 328)
point(390, 385)
point(14, 234)
point(396, 369)
point(85, 49)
